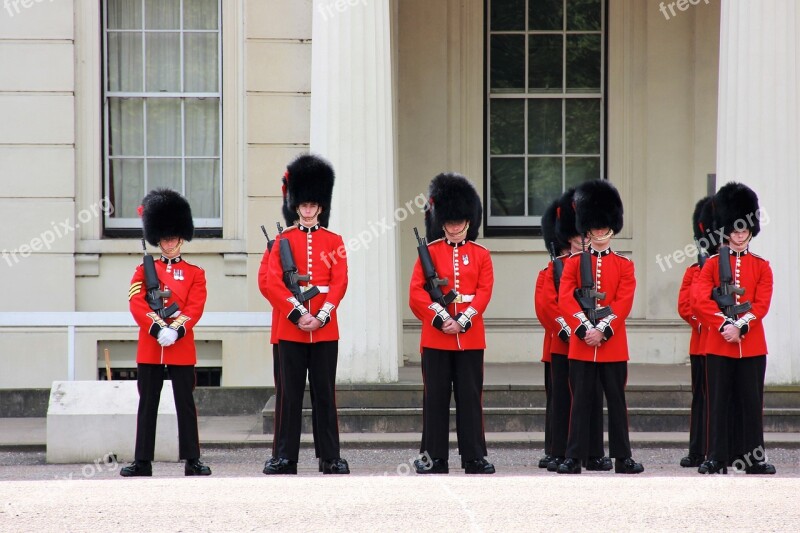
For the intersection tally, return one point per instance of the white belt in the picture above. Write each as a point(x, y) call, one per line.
point(323, 289)
point(464, 298)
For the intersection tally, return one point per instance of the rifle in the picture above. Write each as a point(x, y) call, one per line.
point(432, 279)
point(587, 296)
point(724, 295)
point(558, 267)
point(270, 242)
point(153, 293)
point(702, 254)
point(290, 275)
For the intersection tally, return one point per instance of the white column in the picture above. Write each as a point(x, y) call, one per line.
point(758, 143)
point(352, 126)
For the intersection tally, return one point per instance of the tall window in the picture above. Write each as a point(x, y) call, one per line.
point(545, 103)
point(162, 105)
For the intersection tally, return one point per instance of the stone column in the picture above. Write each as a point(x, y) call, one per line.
point(352, 126)
point(758, 143)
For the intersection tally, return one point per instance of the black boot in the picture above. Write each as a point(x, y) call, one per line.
point(137, 468)
point(280, 466)
point(692, 461)
point(478, 466)
point(712, 467)
point(599, 464)
point(195, 467)
point(431, 466)
point(553, 465)
point(570, 466)
point(544, 461)
point(335, 466)
point(760, 468)
point(628, 466)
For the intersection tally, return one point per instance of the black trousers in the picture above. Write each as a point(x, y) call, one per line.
point(584, 378)
point(150, 380)
point(548, 410)
point(562, 404)
point(276, 374)
point(730, 379)
point(698, 418)
point(318, 362)
point(461, 372)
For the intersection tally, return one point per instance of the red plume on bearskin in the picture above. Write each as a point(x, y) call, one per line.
point(698, 227)
point(309, 178)
point(549, 233)
point(598, 205)
point(565, 217)
point(451, 198)
point(165, 213)
point(736, 207)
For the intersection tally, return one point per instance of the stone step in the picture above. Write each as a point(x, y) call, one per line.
point(519, 419)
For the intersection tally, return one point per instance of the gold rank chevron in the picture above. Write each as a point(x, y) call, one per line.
point(134, 290)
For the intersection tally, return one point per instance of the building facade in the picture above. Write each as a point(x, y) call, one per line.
point(102, 99)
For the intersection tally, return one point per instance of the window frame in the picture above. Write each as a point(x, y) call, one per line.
point(528, 225)
point(132, 227)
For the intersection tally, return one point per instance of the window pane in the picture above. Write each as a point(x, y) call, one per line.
point(124, 14)
point(125, 126)
point(202, 187)
point(507, 186)
point(580, 169)
point(508, 63)
point(583, 125)
point(200, 14)
point(544, 126)
point(164, 127)
point(127, 186)
point(583, 63)
point(163, 58)
point(545, 67)
point(544, 183)
point(584, 15)
point(507, 126)
point(200, 62)
point(125, 62)
point(202, 126)
point(164, 173)
point(546, 15)
point(508, 15)
point(162, 14)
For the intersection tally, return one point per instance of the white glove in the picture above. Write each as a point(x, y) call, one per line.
point(167, 337)
point(176, 314)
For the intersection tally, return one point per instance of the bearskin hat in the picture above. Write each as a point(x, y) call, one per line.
point(549, 233)
point(736, 207)
point(451, 197)
point(165, 213)
point(698, 228)
point(565, 217)
point(309, 178)
point(598, 205)
point(708, 228)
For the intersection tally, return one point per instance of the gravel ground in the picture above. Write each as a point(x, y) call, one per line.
point(382, 495)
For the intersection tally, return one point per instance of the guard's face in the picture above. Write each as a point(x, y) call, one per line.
point(170, 246)
point(455, 227)
point(600, 234)
point(740, 238)
point(309, 211)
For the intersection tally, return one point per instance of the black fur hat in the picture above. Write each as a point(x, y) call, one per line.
point(451, 197)
point(708, 228)
point(309, 178)
point(736, 207)
point(165, 213)
point(598, 205)
point(551, 237)
point(698, 228)
point(565, 217)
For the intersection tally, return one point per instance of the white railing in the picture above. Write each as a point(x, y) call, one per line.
point(72, 320)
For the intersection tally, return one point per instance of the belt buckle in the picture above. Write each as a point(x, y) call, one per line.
point(458, 299)
point(304, 288)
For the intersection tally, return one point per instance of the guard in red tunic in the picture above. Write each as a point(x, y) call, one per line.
point(167, 223)
point(453, 337)
point(736, 349)
point(697, 359)
point(599, 348)
point(307, 327)
point(558, 228)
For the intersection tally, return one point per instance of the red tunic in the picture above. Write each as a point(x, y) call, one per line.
point(686, 311)
point(263, 274)
point(552, 312)
point(321, 254)
point(614, 275)
point(754, 275)
point(188, 285)
point(538, 307)
point(468, 268)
